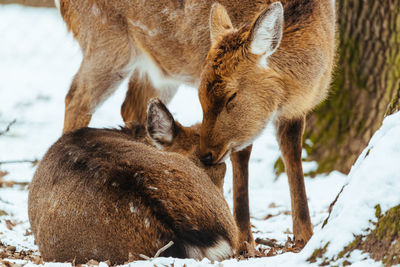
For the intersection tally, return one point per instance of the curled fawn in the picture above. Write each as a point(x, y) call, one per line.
point(250, 60)
point(108, 194)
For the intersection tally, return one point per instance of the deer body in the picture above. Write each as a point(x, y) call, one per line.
point(263, 59)
point(110, 195)
point(158, 45)
point(277, 68)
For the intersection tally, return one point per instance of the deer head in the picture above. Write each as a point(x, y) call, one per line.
point(237, 89)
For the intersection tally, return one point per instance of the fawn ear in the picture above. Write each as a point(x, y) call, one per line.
point(266, 32)
point(161, 125)
point(220, 23)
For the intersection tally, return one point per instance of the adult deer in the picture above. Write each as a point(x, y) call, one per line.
point(109, 194)
point(264, 58)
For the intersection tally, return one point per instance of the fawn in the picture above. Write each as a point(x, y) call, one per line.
point(252, 61)
point(109, 194)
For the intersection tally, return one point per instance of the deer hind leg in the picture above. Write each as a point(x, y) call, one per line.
point(290, 141)
point(102, 69)
point(241, 210)
point(140, 91)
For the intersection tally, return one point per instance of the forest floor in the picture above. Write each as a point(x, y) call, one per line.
point(38, 59)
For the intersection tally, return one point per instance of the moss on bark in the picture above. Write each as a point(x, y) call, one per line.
point(381, 242)
point(318, 253)
point(365, 86)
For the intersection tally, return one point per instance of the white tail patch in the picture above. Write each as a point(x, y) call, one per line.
point(220, 251)
point(194, 252)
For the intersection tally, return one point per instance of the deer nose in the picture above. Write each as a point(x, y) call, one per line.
point(207, 159)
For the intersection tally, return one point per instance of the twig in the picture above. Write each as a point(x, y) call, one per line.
point(144, 257)
point(268, 242)
point(8, 127)
point(331, 207)
point(161, 250)
point(164, 248)
point(34, 162)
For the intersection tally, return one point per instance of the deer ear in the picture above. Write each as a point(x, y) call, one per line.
point(266, 32)
point(220, 22)
point(161, 126)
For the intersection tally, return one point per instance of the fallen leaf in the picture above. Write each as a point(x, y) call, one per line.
point(288, 232)
point(271, 252)
point(268, 216)
point(251, 251)
point(3, 213)
point(2, 174)
point(27, 232)
point(272, 205)
point(10, 225)
point(12, 249)
point(37, 260)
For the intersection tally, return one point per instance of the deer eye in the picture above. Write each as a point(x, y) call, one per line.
point(228, 104)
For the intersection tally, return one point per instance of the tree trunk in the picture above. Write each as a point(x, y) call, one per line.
point(36, 3)
point(366, 84)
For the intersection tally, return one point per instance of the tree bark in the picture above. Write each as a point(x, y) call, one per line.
point(35, 3)
point(365, 87)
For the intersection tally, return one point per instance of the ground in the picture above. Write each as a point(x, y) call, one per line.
point(38, 59)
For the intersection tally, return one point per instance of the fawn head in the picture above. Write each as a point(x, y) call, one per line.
point(234, 81)
point(169, 135)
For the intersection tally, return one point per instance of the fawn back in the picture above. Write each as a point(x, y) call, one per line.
point(109, 194)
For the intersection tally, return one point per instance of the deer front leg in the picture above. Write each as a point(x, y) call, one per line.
point(102, 70)
point(140, 91)
point(77, 107)
point(241, 211)
point(290, 134)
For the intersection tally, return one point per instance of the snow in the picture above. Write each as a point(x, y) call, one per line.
point(38, 59)
point(374, 179)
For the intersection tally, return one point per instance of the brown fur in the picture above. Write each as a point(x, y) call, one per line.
point(175, 37)
point(241, 212)
point(241, 90)
point(104, 194)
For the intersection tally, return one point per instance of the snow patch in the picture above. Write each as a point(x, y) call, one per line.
point(374, 179)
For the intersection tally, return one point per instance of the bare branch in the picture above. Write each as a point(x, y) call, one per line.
point(268, 242)
point(8, 127)
point(164, 248)
point(35, 3)
point(33, 162)
point(161, 250)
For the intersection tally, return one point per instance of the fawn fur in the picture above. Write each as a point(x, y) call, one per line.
point(109, 194)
